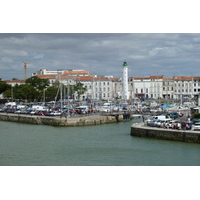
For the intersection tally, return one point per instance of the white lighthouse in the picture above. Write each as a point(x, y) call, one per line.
point(125, 94)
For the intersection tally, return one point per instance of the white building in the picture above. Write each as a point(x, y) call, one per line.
point(72, 72)
point(146, 87)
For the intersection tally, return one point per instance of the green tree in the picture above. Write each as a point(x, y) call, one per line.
point(3, 86)
point(79, 89)
point(38, 83)
point(51, 93)
point(24, 91)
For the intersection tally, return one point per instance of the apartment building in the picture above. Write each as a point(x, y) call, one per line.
point(183, 87)
point(168, 88)
point(146, 87)
point(196, 85)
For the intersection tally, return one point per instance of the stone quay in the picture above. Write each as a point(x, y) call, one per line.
point(140, 130)
point(69, 121)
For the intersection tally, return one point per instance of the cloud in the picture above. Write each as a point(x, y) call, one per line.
point(38, 56)
point(165, 51)
point(13, 53)
point(100, 53)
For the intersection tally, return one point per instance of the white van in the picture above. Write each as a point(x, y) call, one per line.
point(161, 117)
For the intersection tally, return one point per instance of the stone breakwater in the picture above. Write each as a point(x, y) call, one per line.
point(56, 121)
point(141, 130)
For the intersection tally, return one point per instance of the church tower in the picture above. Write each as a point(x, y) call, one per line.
point(125, 94)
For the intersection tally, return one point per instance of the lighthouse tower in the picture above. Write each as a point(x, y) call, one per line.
point(125, 94)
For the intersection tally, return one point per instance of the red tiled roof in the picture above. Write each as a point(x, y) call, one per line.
point(84, 78)
point(15, 81)
point(196, 77)
point(183, 78)
point(156, 77)
point(102, 79)
point(47, 76)
point(168, 79)
point(150, 77)
point(76, 73)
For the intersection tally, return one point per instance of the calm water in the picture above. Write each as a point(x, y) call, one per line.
point(103, 145)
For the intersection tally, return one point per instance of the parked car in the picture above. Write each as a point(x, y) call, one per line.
point(196, 126)
point(55, 113)
point(42, 112)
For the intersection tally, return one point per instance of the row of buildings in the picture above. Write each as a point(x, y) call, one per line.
point(108, 87)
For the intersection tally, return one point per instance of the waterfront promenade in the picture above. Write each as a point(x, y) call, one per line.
point(141, 130)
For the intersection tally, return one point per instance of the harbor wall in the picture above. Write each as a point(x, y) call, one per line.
point(140, 130)
point(57, 121)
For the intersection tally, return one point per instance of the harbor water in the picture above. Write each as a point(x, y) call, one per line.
point(100, 145)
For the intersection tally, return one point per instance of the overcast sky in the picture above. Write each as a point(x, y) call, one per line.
point(103, 54)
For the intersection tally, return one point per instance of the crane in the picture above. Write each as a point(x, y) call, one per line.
point(25, 69)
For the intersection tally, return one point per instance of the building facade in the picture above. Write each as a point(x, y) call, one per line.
point(109, 88)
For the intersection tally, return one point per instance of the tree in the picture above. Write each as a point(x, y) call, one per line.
point(25, 92)
point(79, 89)
point(51, 93)
point(3, 86)
point(38, 83)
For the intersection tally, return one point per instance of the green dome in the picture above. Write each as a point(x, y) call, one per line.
point(125, 63)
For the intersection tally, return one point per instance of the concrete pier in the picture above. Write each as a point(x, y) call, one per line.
point(140, 130)
point(57, 121)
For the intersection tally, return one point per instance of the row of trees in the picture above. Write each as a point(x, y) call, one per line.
point(35, 89)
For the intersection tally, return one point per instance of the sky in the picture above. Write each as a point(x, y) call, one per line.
point(168, 54)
